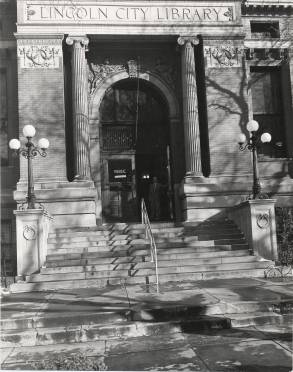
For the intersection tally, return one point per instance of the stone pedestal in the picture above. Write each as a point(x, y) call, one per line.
point(32, 229)
point(256, 219)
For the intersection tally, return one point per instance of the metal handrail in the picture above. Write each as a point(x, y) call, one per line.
point(149, 235)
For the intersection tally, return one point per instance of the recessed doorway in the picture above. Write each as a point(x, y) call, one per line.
point(135, 148)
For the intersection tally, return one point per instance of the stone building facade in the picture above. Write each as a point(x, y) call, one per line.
point(126, 91)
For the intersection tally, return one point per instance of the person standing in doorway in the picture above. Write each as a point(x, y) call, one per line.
point(155, 199)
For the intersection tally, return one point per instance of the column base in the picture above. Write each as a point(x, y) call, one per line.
point(72, 204)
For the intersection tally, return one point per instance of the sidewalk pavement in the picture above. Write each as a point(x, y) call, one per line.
point(254, 346)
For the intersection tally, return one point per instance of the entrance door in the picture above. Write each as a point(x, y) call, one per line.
point(135, 131)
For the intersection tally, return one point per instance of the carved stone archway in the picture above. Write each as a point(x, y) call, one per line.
point(95, 99)
point(166, 92)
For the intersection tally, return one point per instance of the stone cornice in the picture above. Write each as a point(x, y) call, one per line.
point(268, 3)
point(38, 36)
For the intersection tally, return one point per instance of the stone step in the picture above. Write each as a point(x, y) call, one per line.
point(198, 268)
point(128, 259)
point(81, 229)
point(100, 271)
point(154, 225)
point(75, 233)
point(202, 254)
point(76, 244)
point(151, 279)
point(262, 318)
point(170, 230)
point(217, 236)
point(92, 261)
point(75, 334)
point(57, 319)
point(67, 256)
point(77, 239)
point(136, 265)
point(83, 248)
point(189, 249)
point(88, 249)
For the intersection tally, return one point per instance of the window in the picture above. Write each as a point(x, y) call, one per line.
point(264, 29)
point(267, 108)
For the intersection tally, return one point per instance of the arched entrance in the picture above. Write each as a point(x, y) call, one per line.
point(134, 148)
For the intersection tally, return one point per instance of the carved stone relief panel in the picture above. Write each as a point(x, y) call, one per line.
point(34, 54)
point(225, 54)
point(157, 65)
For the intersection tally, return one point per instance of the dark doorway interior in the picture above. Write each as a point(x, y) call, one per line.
point(135, 127)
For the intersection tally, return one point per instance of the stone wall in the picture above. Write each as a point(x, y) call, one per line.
point(284, 225)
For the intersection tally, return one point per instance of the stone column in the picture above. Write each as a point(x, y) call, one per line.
point(190, 107)
point(80, 107)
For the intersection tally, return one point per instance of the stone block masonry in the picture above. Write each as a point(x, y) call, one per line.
point(226, 85)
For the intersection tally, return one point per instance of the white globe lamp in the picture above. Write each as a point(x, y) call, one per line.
point(252, 126)
point(14, 144)
point(43, 143)
point(241, 138)
point(266, 138)
point(29, 131)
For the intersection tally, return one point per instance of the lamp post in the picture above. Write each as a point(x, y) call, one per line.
point(252, 145)
point(29, 152)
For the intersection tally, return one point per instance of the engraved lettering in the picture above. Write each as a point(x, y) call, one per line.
point(43, 12)
point(196, 15)
point(186, 13)
point(206, 13)
point(134, 12)
point(120, 13)
point(103, 13)
point(81, 13)
point(58, 12)
point(158, 13)
point(144, 12)
point(175, 13)
point(217, 13)
point(70, 13)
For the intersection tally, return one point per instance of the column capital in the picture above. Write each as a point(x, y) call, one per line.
point(77, 40)
point(182, 40)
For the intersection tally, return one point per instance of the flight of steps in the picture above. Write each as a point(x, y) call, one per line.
point(119, 253)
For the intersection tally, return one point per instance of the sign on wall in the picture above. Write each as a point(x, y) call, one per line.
point(129, 13)
point(119, 170)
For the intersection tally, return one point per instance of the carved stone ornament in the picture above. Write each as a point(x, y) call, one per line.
point(29, 232)
point(39, 56)
point(263, 220)
point(132, 68)
point(185, 39)
point(99, 72)
point(160, 67)
point(226, 55)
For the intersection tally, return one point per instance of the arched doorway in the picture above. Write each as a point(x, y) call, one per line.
point(135, 148)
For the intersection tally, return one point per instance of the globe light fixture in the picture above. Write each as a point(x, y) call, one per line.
point(14, 144)
point(252, 126)
point(29, 131)
point(265, 138)
point(252, 144)
point(29, 152)
point(43, 143)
